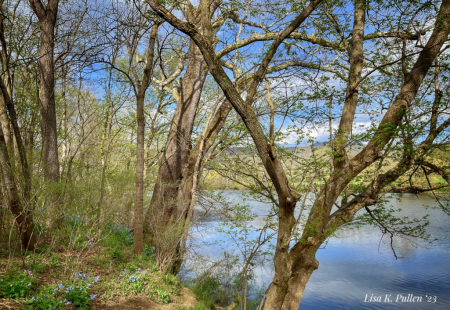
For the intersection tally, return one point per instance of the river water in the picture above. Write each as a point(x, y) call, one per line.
point(357, 264)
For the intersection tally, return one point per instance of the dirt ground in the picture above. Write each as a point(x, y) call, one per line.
point(186, 299)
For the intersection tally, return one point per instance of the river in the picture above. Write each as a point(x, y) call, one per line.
point(357, 267)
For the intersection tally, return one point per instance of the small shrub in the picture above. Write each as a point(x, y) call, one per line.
point(205, 289)
point(119, 236)
point(55, 263)
point(169, 279)
point(78, 292)
point(39, 228)
point(75, 221)
point(133, 282)
point(117, 254)
point(79, 295)
point(36, 267)
point(46, 299)
point(163, 295)
point(17, 284)
point(148, 251)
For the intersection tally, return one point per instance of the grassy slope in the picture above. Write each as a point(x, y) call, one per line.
point(77, 261)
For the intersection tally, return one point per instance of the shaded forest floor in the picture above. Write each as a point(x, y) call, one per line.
point(71, 269)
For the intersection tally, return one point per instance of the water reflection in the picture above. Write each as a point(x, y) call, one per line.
point(359, 262)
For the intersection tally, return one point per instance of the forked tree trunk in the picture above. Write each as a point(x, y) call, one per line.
point(166, 212)
point(301, 260)
point(191, 175)
point(293, 268)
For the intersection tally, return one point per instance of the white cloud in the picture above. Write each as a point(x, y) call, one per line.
point(321, 133)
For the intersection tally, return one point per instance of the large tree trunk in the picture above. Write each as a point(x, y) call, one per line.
point(166, 212)
point(20, 209)
point(47, 21)
point(321, 223)
point(191, 176)
point(293, 268)
point(48, 108)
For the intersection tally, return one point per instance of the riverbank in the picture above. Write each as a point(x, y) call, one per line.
point(214, 181)
point(89, 273)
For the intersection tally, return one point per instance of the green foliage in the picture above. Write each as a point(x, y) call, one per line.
point(205, 288)
point(135, 284)
point(148, 251)
point(390, 222)
point(55, 263)
point(46, 299)
point(170, 279)
point(17, 284)
point(200, 306)
point(36, 267)
point(163, 295)
point(117, 238)
point(75, 221)
point(79, 295)
point(133, 280)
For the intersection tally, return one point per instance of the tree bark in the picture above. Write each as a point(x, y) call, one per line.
point(320, 224)
point(47, 21)
point(140, 141)
point(293, 268)
point(64, 129)
point(23, 218)
point(4, 119)
point(164, 210)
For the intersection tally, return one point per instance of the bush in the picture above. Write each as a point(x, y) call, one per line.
point(163, 295)
point(79, 295)
point(46, 299)
point(133, 282)
point(17, 284)
point(205, 289)
point(117, 238)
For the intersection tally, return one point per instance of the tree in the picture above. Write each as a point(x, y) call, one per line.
point(294, 265)
point(9, 120)
point(47, 16)
point(174, 188)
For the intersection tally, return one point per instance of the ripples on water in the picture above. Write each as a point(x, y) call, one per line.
point(355, 264)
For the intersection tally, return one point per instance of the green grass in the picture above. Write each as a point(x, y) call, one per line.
point(85, 274)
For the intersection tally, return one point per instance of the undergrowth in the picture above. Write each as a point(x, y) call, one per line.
point(76, 268)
